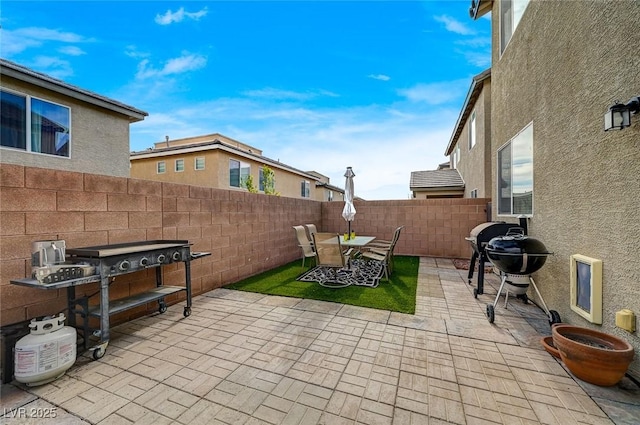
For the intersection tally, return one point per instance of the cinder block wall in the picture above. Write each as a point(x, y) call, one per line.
point(245, 233)
point(433, 227)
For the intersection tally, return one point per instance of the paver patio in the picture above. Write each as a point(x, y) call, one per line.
point(244, 358)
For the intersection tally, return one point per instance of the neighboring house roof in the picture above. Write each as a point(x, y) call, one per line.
point(469, 103)
point(444, 166)
point(479, 8)
point(217, 144)
point(436, 179)
point(22, 73)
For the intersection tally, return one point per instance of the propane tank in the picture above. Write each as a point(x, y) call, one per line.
point(46, 353)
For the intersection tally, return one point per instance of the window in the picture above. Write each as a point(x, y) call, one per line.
point(515, 174)
point(200, 163)
point(472, 130)
point(261, 179)
point(330, 196)
point(161, 167)
point(474, 193)
point(179, 165)
point(510, 13)
point(34, 125)
point(238, 172)
point(304, 189)
point(456, 156)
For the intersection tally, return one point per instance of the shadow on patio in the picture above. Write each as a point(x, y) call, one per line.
point(247, 358)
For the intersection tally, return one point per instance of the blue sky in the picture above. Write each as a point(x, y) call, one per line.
point(318, 85)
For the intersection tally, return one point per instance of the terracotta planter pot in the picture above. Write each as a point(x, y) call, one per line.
point(547, 343)
point(593, 356)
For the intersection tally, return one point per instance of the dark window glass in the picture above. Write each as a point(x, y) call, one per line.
point(504, 180)
point(49, 128)
point(234, 173)
point(13, 109)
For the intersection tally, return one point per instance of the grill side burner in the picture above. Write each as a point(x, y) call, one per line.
point(478, 239)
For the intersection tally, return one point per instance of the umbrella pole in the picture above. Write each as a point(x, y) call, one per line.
point(349, 234)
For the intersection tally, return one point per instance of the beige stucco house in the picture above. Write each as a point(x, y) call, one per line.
point(557, 67)
point(218, 161)
point(48, 123)
point(467, 174)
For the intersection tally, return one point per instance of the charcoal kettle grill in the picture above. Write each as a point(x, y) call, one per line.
point(516, 256)
point(478, 238)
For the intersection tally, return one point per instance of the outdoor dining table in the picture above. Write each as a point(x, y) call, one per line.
point(357, 242)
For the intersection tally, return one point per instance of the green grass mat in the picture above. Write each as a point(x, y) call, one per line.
point(397, 294)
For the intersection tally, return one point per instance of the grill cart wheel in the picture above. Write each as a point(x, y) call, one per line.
point(187, 311)
point(162, 307)
point(555, 317)
point(99, 353)
point(475, 292)
point(491, 314)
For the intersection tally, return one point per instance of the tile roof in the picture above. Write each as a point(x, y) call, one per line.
point(435, 179)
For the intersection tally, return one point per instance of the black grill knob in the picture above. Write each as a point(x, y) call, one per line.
point(161, 258)
point(144, 261)
point(176, 256)
point(124, 265)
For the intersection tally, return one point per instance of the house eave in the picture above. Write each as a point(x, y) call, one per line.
point(479, 8)
point(477, 83)
point(26, 75)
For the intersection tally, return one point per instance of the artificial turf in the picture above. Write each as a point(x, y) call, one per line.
point(398, 294)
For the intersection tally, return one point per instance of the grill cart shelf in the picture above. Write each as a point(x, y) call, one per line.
point(114, 260)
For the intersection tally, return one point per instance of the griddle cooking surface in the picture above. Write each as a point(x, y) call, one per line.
point(125, 248)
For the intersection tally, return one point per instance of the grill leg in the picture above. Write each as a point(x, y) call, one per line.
point(472, 265)
point(504, 279)
point(480, 287)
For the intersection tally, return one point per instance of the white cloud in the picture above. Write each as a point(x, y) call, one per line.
point(72, 51)
point(380, 77)
point(133, 52)
point(17, 41)
point(273, 93)
point(454, 25)
point(52, 66)
point(185, 63)
point(178, 16)
point(436, 93)
point(481, 58)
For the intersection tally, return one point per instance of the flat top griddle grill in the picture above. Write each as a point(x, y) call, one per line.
point(101, 251)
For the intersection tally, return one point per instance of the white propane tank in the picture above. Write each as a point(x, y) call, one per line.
point(46, 353)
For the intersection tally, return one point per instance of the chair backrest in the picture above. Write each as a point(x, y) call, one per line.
point(396, 236)
point(303, 241)
point(311, 228)
point(328, 250)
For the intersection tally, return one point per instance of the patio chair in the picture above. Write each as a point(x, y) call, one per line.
point(381, 243)
point(383, 254)
point(329, 254)
point(304, 243)
point(311, 228)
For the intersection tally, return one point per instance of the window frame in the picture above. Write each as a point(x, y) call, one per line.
point(512, 164)
point(241, 166)
point(514, 21)
point(176, 168)
point(474, 193)
point(305, 189)
point(28, 128)
point(472, 130)
point(164, 167)
point(195, 163)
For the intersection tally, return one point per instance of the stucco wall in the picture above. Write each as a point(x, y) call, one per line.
point(246, 233)
point(565, 65)
point(216, 173)
point(99, 138)
point(473, 165)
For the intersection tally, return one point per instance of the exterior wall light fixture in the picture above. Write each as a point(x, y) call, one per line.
point(619, 115)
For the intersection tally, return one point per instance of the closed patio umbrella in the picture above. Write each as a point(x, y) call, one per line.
point(349, 211)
